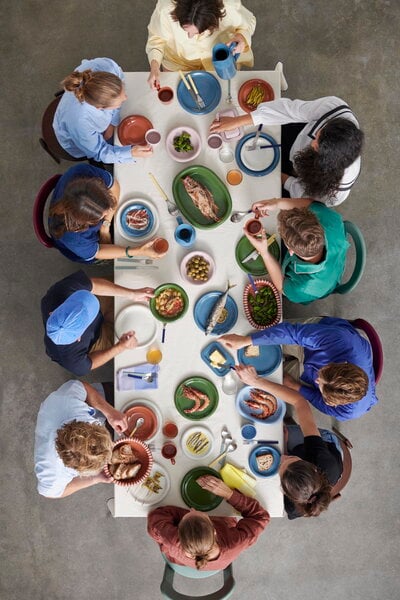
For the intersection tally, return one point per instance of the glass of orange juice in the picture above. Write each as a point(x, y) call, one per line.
point(154, 355)
point(234, 177)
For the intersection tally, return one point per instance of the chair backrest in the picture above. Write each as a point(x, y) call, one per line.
point(168, 590)
point(347, 467)
point(49, 141)
point(38, 211)
point(376, 345)
point(361, 253)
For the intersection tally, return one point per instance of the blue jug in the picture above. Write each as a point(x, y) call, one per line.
point(224, 60)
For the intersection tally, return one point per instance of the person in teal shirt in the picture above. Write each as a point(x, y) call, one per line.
point(316, 248)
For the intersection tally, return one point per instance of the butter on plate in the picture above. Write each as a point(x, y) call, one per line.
point(217, 359)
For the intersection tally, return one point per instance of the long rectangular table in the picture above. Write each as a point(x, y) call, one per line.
point(184, 340)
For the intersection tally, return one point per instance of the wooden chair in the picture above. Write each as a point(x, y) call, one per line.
point(38, 211)
point(361, 253)
point(346, 445)
point(376, 345)
point(168, 590)
point(48, 141)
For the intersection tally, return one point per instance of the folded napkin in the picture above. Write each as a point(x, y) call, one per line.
point(126, 383)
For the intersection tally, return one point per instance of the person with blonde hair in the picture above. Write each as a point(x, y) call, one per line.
point(182, 34)
point(89, 111)
point(193, 539)
point(326, 360)
point(72, 444)
point(315, 255)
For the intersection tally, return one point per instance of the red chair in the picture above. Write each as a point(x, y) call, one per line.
point(48, 141)
point(347, 465)
point(38, 211)
point(376, 345)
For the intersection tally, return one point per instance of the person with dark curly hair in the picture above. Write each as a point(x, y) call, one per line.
point(321, 145)
point(182, 34)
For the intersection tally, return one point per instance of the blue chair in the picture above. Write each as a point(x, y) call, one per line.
point(361, 253)
point(168, 590)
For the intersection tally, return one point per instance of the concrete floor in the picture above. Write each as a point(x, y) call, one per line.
point(59, 550)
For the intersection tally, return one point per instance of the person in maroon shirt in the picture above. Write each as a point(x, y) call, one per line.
point(193, 539)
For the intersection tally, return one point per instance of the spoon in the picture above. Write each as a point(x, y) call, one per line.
point(224, 434)
point(230, 448)
point(238, 215)
point(229, 383)
point(147, 377)
point(138, 424)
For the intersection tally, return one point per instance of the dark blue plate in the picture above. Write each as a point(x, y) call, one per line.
point(209, 349)
point(131, 231)
point(209, 89)
point(204, 306)
point(263, 449)
point(248, 412)
point(266, 362)
point(257, 162)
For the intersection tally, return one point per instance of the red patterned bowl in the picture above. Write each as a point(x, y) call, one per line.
point(248, 291)
point(144, 456)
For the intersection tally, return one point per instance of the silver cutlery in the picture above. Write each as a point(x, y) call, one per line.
point(273, 442)
point(147, 377)
point(253, 145)
point(225, 433)
point(269, 146)
point(142, 261)
point(133, 267)
point(172, 208)
point(238, 215)
point(252, 256)
point(138, 424)
point(231, 447)
point(199, 100)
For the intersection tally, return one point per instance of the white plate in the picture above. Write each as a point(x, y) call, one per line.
point(152, 406)
point(185, 261)
point(137, 239)
point(144, 496)
point(257, 160)
point(137, 318)
point(192, 431)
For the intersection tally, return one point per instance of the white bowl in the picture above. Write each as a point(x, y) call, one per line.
point(137, 318)
point(188, 257)
point(183, 156)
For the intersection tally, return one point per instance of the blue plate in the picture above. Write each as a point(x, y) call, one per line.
point(209, 349)
point(204, 306)
point(209, 89)
point(246, 411)
point(131, 231)
point(263, 449)
point(257, 162)
point(266, 362)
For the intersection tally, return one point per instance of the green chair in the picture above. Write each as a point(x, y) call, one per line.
point(361, 254)
point(168, 590)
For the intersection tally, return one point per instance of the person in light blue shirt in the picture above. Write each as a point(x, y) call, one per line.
point(89, 110)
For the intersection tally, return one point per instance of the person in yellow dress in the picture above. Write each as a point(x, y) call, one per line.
point(182, 34)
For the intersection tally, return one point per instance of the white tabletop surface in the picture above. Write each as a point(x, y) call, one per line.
point(184, 341)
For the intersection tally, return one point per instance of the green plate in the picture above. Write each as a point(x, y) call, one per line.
point(203, 385)
point(213, 183)
point(193, 495)
point(254, 267)
point(158, 291)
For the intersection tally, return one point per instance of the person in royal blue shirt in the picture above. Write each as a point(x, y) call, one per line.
point(80, 215)
point(335, 363)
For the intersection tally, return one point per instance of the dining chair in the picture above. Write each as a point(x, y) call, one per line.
point(49, 141)
point(283, 80)
point(361, 253)
point(168, 590)
point(376, 345)
point(346, 445)
point(39, 208)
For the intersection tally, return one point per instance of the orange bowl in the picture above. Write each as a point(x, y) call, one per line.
point(144, 456)
point(248, 290)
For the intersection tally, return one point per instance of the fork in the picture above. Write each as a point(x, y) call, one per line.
point(253, 145)
point(142, 261)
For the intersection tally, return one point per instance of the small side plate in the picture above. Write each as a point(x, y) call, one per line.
point(209, 349)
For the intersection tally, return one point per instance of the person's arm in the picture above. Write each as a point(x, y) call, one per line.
point(156, 42)
point(98, 358)
point(272, 265)
point(265, 207)
point(229, 123)
point(162, 525)
point(117, 419)
point(80, 483)
point(111, 251)
point(93, 145)
point(302, 408)
point(232, 341)
point(244, 23)
point(104, 287)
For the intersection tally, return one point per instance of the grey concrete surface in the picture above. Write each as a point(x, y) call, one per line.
point(74, 549)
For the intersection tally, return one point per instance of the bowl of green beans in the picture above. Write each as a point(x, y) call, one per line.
point(264, 308)
point(183, 144)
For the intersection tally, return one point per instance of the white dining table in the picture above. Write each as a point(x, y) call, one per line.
point(184, 340)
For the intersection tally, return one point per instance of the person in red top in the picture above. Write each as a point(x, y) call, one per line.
point(193, 539)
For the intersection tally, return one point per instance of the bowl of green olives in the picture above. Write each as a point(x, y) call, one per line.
point(197, 267)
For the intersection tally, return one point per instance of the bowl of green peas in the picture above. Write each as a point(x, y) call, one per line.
point(183, 144)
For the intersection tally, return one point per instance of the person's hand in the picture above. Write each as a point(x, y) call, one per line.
point(290, 382)
point(102, 477)
point(247, 374)
point(223, 124)
point(118, 421)
point(232, 341)
point(154, 77)
point(214, 485)
point(240, 41)
point(259, 243)
point(141, 151)
point(148, 250)
point(142, 294)
point(128, 341)
point(264, 207)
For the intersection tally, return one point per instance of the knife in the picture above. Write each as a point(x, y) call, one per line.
point(189, 89)
point(199, 99)
point(254, 255)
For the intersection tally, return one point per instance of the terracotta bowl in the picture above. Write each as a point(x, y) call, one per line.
point(261, 283)
point(145, 457)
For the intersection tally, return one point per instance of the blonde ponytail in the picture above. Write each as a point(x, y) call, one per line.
point(97, 88)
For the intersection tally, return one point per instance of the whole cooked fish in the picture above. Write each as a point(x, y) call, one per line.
point(201, 198)
point(217, 310)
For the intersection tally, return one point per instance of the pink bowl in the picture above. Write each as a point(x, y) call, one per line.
point(145, 457)
point(183, 156)
point(261, 283)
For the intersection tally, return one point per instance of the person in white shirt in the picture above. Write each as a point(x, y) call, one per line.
point(321, 145)
point(72, 444)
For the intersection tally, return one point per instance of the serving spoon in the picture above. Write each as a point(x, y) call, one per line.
point(238, 215)
point(138, 424)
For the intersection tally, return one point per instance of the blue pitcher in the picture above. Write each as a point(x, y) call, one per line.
point(224, 60)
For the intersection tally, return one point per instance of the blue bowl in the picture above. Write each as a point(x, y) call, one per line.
point(246, 411)
point(131, 231)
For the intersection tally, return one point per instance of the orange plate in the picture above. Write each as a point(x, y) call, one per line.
point(245, 89)
point(149, 427)
point(132, 130)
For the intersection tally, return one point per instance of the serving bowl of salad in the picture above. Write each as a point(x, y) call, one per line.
point(183, 144)
point(264, 308)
